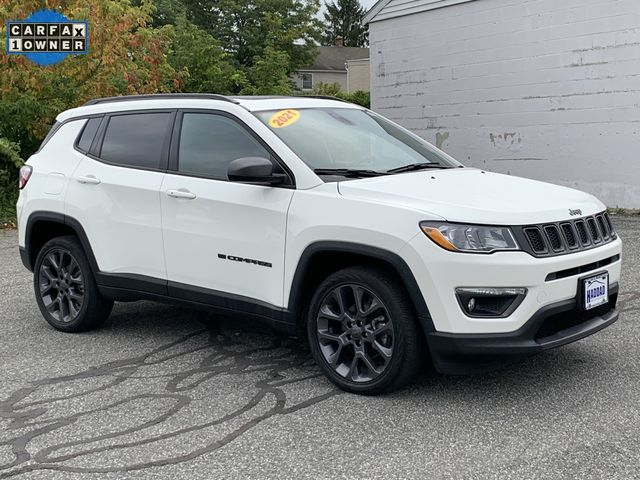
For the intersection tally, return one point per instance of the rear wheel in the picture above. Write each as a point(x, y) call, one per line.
point(362, 331)
point(65, 289)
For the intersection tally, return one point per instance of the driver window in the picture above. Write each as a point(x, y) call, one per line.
point(210, 142)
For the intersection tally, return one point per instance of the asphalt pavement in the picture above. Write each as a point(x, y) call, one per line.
point(166, 392)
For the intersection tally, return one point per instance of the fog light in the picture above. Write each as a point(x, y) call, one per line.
point(471, 305)
point(490, 302)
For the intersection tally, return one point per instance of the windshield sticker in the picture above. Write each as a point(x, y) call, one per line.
point(284, 118)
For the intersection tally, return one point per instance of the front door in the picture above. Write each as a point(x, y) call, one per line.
point(222, 239)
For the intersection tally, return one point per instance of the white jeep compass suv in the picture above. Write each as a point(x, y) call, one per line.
point(314, 215)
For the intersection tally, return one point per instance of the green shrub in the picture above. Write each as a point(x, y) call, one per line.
point(10, 163)
point(359, 97)
point(329, 89)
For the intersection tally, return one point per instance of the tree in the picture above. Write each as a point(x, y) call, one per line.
point(268, 74)
point(205, 66)
point(166, 12)
point(343, 18)
point(247, 28)
point(125, 57)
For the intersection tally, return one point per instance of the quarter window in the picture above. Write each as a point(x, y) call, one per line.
point(209, 143)
point(88, 133)
point(135, 140)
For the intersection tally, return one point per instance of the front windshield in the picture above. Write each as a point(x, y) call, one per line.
point(351, 139)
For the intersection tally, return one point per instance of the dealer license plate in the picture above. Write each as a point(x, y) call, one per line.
point(596, 291)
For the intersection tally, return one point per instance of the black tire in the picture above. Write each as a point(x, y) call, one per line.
point(67, 296)
point(332, 341)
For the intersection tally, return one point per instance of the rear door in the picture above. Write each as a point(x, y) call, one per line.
point(114, 192)
point(224, 241)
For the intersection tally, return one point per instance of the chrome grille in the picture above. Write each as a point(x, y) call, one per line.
point(567, 236)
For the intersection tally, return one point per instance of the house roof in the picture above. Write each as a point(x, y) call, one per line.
point(334, 58)
point(386, 9)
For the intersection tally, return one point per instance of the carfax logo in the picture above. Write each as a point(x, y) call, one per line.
point(47, 37)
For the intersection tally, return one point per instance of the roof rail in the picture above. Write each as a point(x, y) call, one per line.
point(160, 96)
point(326, 97)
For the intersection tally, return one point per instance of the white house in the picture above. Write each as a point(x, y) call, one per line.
point(545, 89)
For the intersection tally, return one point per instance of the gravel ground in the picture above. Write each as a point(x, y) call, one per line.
point(165, 392)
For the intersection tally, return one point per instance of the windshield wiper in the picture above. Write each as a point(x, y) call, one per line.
point(416, 166)
point(348, 172)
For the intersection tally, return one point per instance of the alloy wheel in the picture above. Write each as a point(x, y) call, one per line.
point(61, 285)
point(355, 333)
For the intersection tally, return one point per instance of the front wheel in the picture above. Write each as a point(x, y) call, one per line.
point(362, 331)
point(65, 289)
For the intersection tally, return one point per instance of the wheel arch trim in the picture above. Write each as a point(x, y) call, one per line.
point(56, 217)
point(395, 261)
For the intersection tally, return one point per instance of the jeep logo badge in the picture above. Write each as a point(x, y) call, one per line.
point(575, 212)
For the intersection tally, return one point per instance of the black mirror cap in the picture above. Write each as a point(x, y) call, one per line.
point(257, 170)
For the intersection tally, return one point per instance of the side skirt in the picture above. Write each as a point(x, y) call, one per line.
point(127, 288)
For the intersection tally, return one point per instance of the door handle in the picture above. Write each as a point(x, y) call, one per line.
point(181, 193)
point(89, 179)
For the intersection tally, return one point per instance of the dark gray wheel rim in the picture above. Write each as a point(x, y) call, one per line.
point(61, 285)
point(355, 333)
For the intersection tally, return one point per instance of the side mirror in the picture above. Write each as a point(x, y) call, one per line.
point(256, 170)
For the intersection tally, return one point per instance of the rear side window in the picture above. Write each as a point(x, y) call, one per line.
point(88, 133)
point(209, 143)
point(135, 140)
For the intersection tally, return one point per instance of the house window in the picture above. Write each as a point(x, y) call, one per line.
point(307, 81)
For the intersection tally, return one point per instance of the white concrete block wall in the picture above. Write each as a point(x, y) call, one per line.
point(544, 89)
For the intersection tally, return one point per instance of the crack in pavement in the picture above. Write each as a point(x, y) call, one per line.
point(279, 364)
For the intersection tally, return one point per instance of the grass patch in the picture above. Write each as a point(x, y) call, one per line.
point(10, 163)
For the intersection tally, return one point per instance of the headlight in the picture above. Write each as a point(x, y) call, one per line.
point(470, 238)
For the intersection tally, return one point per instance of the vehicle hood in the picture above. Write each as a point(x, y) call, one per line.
point(470, 195)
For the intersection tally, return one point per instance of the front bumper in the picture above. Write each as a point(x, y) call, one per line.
point(548, 281)
point(24, 256)
point(551, 326)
